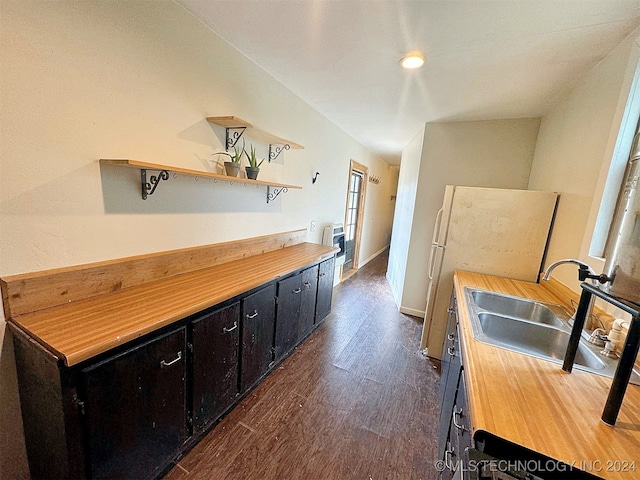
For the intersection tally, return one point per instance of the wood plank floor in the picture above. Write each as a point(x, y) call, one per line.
point(356, 400)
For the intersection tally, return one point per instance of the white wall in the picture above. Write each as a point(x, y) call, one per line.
point(88, 80)
point(491, 153)
point(574, 150)
point(403, 215)
point(378, 212)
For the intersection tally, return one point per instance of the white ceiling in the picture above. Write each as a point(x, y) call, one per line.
point(486, 59)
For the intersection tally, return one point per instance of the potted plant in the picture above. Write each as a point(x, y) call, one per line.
point(254, 165)
point(232, 167)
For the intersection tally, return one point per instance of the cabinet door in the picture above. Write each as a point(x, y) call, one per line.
point(449, 466)
point(460, 430)
point(215, 363)
point(461, 420)
point(325, 289)
point(449, 375)
point(135, 409)
point(288, 314)
point(308, 301)
point(258, 317)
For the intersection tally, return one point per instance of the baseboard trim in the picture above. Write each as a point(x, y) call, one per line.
point(362, 264)
point(412, 312)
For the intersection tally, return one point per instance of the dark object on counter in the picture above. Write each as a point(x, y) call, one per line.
point(497, 458)
point(583, 274)
point(627, 358)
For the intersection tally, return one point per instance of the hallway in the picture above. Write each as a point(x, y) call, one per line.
point(356, 400)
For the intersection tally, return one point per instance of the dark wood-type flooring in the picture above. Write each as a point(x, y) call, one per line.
point(357, 400)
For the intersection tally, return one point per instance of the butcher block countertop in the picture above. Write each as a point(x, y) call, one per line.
point(81, 329)
point(533, 403)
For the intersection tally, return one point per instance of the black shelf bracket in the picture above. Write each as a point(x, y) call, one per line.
point(233, 135)
point(275, 150)
point(149, 187)
point(273, 192)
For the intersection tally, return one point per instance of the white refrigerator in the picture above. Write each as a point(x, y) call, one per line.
point(494, 231)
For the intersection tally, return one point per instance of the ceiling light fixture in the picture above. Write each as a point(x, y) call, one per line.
point(412, 60)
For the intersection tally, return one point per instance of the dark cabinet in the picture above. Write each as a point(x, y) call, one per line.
point(288, 314)
point(134, 408)
point(450, 373)
point(460, 430)
point(215, 345)
point(258, 316)
point(126, 413)
point(326, 270)
point(308, 301)
point(454, 429)
point(296, 313)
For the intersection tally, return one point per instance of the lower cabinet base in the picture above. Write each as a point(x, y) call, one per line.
point(197, 437)
point(133, 411)
point(486, 455)
point(55, 451)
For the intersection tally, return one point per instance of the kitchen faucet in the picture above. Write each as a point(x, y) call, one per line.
point(584, 272)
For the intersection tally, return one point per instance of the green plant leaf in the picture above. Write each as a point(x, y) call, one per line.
point(237, 157)
point(252, 159)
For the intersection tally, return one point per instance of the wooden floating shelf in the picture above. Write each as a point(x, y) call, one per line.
point(149, 188)
point(187, 171)
point(235, 127)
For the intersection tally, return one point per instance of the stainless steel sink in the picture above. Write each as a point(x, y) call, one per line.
point(533, 328)
point(520, 308)
point(535, 339)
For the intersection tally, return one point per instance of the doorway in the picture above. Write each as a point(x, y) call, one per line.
point(353, 217)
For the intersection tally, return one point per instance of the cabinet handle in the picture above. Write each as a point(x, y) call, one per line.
point(451, 336)
point(322, 274)
point(307, 285)
point(253, 315)
point(448, 460)
point(459, 426)
point(451, 351)
point(175, 360)
point(227, 330)
point(79, 404)
point(297, 290)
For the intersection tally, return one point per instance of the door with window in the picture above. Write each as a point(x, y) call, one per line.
point(353, 215)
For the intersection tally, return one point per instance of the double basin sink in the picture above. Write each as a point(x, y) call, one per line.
point(533, 328)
